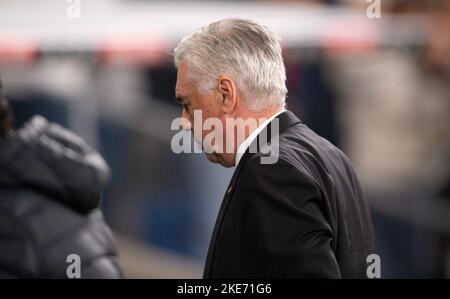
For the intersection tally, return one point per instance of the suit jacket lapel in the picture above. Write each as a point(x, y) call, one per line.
point(286, 119)
point(220, 217)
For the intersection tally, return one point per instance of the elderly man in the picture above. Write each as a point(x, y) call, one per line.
point(299, 215)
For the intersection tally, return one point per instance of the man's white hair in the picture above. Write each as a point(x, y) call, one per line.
point(242, 49)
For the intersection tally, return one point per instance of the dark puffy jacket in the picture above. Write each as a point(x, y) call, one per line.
point(50, 187)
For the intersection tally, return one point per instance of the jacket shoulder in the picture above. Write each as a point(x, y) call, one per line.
point(47, 232)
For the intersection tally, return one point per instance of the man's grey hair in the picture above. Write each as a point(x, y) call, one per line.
point(242, 49)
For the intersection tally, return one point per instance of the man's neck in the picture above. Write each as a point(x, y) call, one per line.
point(262, 119)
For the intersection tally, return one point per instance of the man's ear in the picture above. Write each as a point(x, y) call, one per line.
point(229, 94)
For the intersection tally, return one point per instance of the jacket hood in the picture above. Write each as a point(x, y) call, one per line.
point(47, 158)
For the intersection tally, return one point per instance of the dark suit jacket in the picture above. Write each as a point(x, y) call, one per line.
point(304, 216)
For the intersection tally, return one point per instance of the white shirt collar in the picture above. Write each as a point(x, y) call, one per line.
point(244, 145)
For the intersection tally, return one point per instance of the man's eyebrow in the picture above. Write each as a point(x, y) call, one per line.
point(180, 99)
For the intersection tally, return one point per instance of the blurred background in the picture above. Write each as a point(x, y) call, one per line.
point(379, 88)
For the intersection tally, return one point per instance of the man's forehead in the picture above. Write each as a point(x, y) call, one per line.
point(182, 80)
point(179, 83)
point(179, 89)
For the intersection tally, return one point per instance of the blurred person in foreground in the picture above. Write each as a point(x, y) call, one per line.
point(303, 215)
point(50, 187)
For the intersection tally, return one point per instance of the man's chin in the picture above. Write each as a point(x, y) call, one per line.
point(216, 158)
